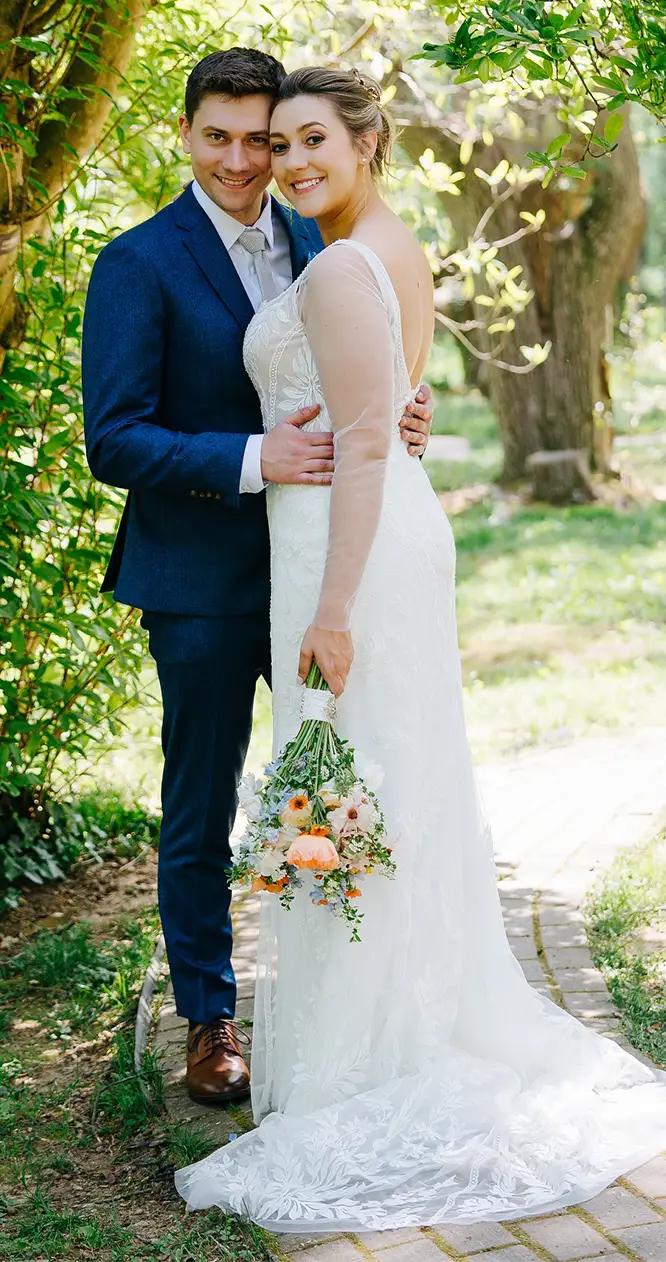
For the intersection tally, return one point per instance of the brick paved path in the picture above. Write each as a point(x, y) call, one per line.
point(558, 817)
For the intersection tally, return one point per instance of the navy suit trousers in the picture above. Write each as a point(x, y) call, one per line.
point(208, 668)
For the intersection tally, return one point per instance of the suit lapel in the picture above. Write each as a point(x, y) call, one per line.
point(302, 245)
point(203, 243)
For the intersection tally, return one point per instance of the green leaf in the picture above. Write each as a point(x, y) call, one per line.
point(556, 145)
point(31, 45)
point(612, 127)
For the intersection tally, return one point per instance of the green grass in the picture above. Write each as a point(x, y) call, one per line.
point(68, 979)
point(37, 1229)
point(466, 414)
point(126, 1101)
point(481, 467)
point(65, 961)
point(186, 1143)
point(626, 925)
point(49, 1131)
point(33, 1227)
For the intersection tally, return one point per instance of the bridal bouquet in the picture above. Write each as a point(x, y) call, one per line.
point(313, 811)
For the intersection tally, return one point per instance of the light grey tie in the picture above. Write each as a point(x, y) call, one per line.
point(254, 241)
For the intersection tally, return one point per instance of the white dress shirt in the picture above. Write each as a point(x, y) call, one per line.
point(279, 256)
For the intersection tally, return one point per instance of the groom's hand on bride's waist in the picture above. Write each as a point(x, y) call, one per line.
point(290, 455)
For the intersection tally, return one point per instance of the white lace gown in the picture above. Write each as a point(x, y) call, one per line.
point(414, 1078)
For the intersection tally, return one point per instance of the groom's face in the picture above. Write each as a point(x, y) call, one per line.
point(231, 158)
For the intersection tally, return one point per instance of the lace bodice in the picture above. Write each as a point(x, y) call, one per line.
point(279, 357)
point(335, 338)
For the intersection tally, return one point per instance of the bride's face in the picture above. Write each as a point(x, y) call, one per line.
point(318, 165)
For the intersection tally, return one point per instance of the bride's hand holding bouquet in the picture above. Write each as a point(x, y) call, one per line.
point(333, 652)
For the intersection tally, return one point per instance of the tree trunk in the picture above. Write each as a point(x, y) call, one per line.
point(573, 265)
point(101, 46)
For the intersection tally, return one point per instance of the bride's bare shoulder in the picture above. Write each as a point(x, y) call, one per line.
point(398, 249)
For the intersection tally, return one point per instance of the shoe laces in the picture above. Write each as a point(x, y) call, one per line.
point(222, 1034)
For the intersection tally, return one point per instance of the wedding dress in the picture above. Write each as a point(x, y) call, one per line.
point(415, 1077)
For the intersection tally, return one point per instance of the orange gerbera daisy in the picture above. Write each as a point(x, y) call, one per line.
point(354, 893)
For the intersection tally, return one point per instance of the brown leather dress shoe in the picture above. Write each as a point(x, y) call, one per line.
point(216, 1070)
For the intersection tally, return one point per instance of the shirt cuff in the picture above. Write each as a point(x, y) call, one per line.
point(251, 481)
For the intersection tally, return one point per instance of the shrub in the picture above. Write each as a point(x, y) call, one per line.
point(41, 841)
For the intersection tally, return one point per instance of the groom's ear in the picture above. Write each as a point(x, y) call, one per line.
point(185, 133)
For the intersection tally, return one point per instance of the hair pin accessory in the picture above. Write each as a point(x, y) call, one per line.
point(371, 90)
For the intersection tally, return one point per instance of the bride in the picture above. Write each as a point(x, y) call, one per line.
point(414, 1078)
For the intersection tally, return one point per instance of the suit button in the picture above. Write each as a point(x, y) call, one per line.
point(218, 497)
point(193, 493)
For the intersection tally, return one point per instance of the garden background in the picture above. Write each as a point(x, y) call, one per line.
point(530, 163)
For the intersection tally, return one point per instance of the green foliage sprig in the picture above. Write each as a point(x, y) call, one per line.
point(607, 53)
point(69, 662)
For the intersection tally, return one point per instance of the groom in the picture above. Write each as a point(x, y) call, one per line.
point(171, 415)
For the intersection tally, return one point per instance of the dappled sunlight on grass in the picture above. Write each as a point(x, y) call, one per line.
point(561, 622)
point(586, 565)
point(541, 705)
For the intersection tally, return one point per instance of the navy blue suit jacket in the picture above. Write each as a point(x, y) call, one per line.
point(168, 407)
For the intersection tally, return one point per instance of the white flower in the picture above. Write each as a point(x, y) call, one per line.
point(355, 814)
point(270, 864)
point(248, 796)
point(368, 771)
point(286, 835)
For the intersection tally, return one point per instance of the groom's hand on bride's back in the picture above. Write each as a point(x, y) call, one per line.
point(290, 455)
point(416, 421)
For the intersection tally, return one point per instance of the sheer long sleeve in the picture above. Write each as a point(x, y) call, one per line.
point(347, 321)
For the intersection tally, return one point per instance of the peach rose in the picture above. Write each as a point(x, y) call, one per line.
point(312, 851)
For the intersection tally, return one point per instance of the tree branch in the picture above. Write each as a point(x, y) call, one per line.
point(486, 357)
point(84, 114)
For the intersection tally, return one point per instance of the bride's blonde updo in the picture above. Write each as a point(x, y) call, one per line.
point(356, 99)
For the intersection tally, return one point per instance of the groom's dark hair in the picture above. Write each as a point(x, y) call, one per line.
point(232, 72)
